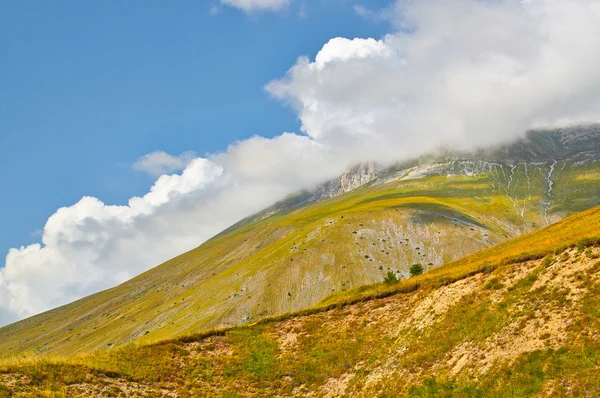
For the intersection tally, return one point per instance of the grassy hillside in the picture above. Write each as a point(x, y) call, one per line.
point(293, 260)
point(519, 319)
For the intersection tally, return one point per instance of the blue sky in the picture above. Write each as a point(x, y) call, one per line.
point(88, 87)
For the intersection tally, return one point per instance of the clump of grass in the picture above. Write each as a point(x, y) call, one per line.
point(494, 284)
point(548, 261)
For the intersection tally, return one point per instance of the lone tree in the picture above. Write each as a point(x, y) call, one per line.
point(390, 278)
point(416, 269)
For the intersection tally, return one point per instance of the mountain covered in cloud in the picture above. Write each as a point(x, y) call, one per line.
point(577, 144)
point(346, 233)
point(442, 78)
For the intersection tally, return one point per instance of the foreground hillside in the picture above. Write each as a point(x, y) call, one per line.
point(291, 259)
point(520, 319)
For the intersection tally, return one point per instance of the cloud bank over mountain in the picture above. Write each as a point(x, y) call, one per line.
point(463, 74)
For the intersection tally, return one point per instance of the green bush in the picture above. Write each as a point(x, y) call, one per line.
point(390, 278)
point(416, 269)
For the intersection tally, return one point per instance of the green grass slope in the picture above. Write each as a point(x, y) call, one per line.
point(293, 260)
point(519, 319)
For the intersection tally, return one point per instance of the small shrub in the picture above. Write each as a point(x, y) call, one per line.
point(416, 269)
point(390, 278)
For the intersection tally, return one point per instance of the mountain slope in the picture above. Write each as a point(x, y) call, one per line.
point(519, 319)
point(429, 213)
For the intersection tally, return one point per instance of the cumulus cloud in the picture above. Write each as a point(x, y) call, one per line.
point(453, 73)
point(456, 73)
point(256, 5)
point(159, 162)
point(364, 12)
point(89, 245)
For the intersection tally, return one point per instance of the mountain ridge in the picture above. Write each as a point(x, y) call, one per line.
point(578, 143)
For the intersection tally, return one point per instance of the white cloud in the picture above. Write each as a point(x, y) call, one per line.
point(90, 246)
point(364, 12)
point(256, 5)
point(303, 11)
point(159, 162)
point(382, 15)
point(455, 73)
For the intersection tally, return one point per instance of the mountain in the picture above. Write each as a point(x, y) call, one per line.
point(433, 210)
point(577, 145)
point(519, 319)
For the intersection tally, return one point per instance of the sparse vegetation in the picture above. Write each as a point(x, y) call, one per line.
point(416, 269)
point(548, 261)
point(494, 284)
point(390, 277)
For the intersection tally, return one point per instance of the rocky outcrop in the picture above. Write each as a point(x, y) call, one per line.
point(353, 178)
